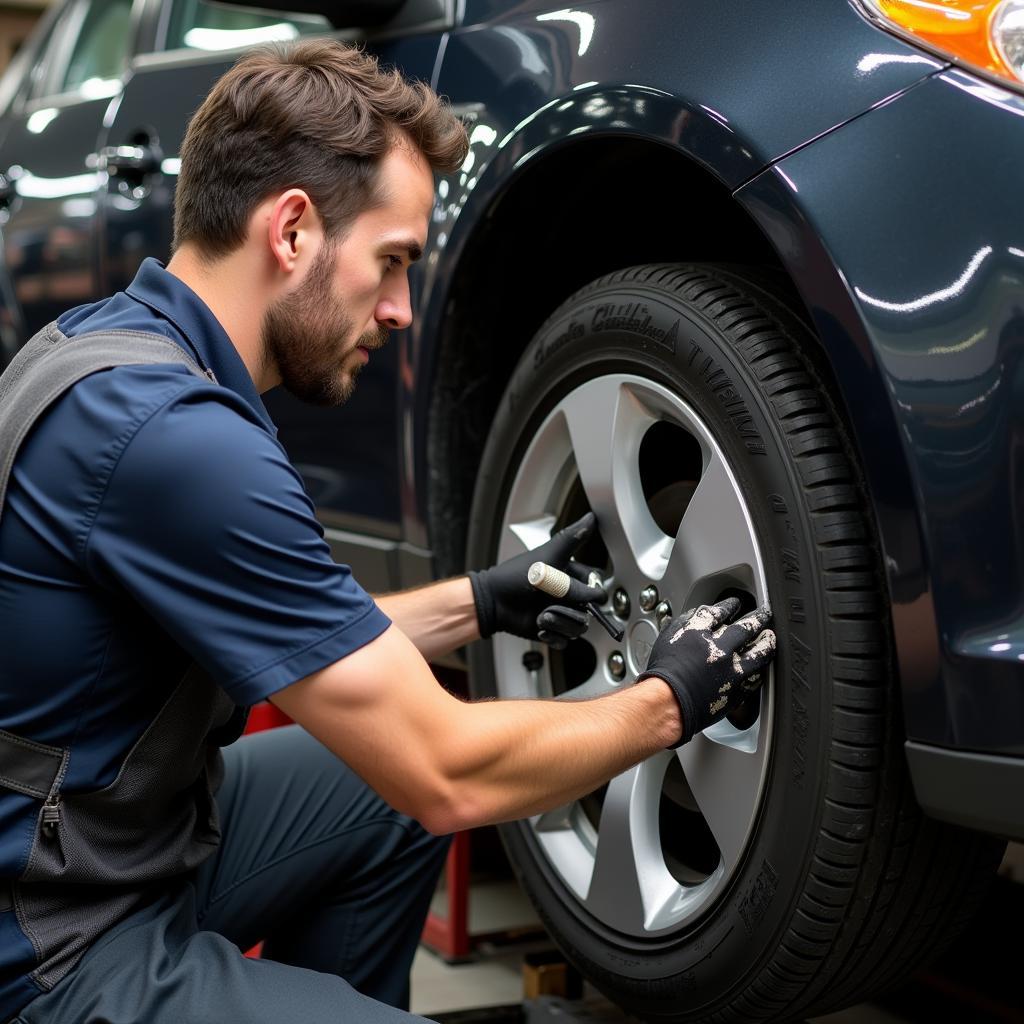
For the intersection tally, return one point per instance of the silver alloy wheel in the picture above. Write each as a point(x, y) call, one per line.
point(618, 871)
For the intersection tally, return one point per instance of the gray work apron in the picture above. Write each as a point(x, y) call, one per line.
point(96, 856)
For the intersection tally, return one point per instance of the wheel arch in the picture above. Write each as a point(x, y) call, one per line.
point(537, 242)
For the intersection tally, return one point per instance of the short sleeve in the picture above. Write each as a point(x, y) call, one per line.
point(206, 525)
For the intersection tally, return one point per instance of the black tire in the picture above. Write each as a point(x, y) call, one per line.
point(845, 887)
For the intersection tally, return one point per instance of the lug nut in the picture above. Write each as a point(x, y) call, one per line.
point(620, 603)
point(663, 613)
point(617, 666)
point(648, 598)
point(533, 661)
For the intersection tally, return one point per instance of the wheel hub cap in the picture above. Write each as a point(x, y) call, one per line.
point(641, 639)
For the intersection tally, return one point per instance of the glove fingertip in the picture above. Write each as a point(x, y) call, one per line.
point(760, 653)
point(580, 593)
point(576, 533)
point(553, 640)
point(723, 612)
point(578, 571)
point(584, 526)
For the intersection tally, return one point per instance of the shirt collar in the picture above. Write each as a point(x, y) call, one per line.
point(201, 331)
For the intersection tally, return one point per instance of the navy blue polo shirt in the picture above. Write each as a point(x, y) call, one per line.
point(153, 519)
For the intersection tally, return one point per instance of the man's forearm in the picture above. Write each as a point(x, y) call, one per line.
point(438, 618)
point(515, 758)
point(455, 765)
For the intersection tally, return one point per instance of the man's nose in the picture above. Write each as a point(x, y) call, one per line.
point(394, 310)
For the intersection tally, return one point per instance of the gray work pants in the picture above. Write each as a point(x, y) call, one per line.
point(313, 862)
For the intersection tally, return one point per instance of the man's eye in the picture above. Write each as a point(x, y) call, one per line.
point(395, 261)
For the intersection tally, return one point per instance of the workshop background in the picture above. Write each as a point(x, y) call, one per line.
point(17, 17)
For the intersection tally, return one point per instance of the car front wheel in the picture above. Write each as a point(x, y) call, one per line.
point(777, 865)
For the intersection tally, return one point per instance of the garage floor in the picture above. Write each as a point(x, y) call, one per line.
point(977, 981)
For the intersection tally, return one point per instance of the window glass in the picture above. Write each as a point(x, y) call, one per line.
point(46, 54)
point(101, 47)
point(207, 25)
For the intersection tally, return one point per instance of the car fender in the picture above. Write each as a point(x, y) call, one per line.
point(529, 80)
point(912, 266)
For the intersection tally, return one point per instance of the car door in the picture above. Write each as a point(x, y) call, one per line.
point(349, 457)
point(50, 161)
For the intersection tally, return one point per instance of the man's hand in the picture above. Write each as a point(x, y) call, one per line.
point(505, 601)
point(711, 663)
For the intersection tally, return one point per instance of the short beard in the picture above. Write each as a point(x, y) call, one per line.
point(303, 334)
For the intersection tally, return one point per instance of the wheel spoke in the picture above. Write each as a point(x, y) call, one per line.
point(630, 881)
point(554, 821)
point(606, 425)
point(714, 536)
point(529, 516)
point(531, 533)
point(725, 781)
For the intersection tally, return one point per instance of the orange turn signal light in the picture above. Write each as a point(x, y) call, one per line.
point(986, 35)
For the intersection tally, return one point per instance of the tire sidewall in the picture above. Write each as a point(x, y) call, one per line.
point(623, 327)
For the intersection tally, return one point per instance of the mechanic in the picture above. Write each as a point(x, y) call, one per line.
point(161, 569)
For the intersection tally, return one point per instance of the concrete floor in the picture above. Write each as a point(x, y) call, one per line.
point(494, 977)
point(497, 980)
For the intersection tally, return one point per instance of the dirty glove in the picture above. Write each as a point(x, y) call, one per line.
point(711, 663)
point(506, 602)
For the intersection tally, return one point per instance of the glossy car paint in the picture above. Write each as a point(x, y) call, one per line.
point(535, 80)
point(885, 185)
point(933, 335)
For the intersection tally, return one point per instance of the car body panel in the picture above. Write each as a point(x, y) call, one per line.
point(534, 80)
point(917, 290)
point(50, 152)
point(773, 75)
point(50, 234)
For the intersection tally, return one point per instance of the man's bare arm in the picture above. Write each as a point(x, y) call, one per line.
point(438, 618)
point(456, 765)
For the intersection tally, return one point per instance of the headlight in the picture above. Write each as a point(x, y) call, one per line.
point(984, 35)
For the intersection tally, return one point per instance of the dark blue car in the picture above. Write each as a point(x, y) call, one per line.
point(745, 278)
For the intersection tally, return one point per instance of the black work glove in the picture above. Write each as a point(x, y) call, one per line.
point(506, 602)
point(711, 663)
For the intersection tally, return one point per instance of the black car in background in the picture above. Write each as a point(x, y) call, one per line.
point(745, 278)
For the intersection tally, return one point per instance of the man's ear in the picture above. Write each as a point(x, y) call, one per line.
point(293, 230)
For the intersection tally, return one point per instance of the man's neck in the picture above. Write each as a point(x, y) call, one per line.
point(231, 289)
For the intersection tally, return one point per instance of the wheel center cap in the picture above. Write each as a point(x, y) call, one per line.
point(641, 639)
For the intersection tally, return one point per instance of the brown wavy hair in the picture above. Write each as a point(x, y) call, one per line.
point(316, 115)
